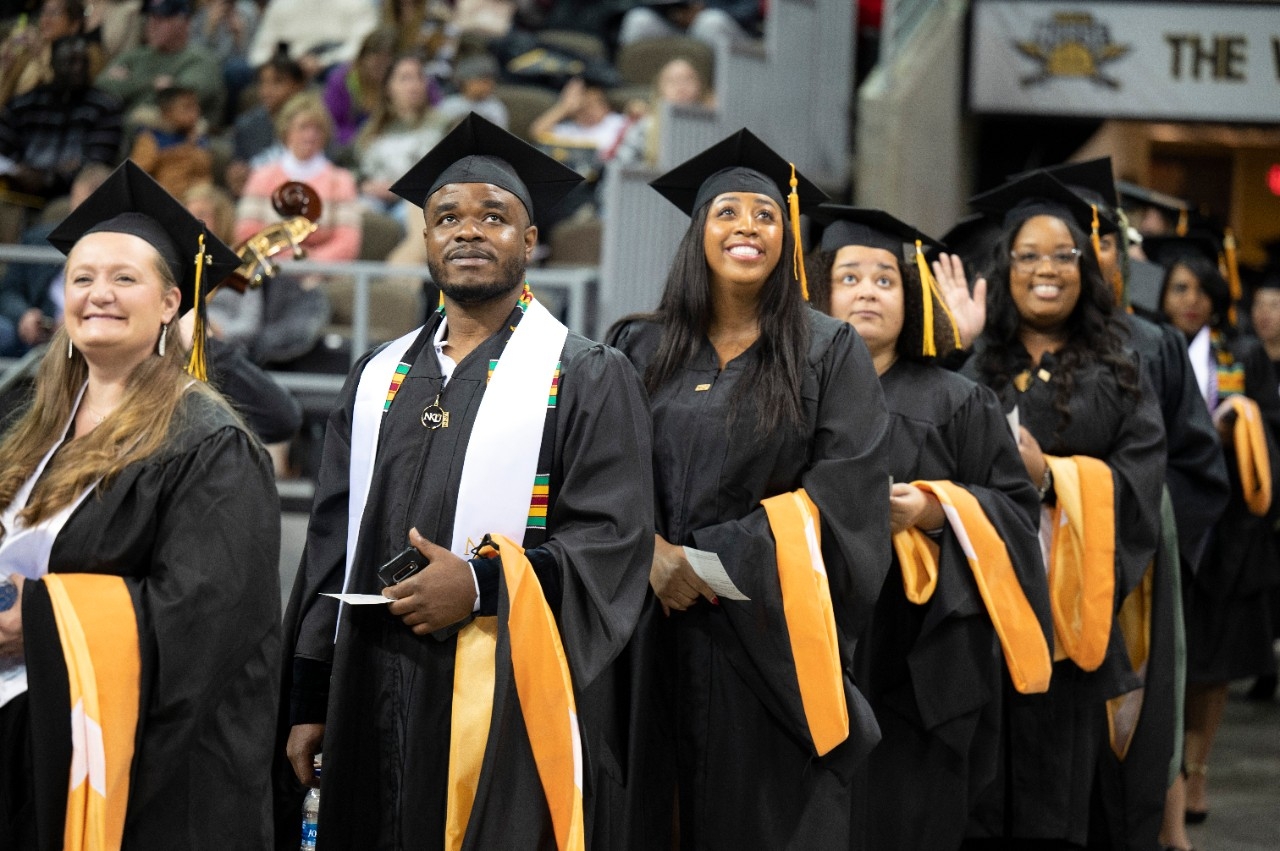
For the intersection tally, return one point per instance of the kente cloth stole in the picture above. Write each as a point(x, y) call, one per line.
point(1230, 373)
point(1080, 558)
point(1026, 652)
point(811, 623)
point(1253, 461)
point(98, 631)
point(500, 493)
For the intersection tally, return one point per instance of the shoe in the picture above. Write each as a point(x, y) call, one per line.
point(1176, 848)
point(1196, 816)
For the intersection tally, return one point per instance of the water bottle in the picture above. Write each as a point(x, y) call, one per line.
point(311, 813)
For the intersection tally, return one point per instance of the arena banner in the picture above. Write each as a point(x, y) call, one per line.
point(1154, 61)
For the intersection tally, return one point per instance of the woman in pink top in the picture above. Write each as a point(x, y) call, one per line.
point(297, 308)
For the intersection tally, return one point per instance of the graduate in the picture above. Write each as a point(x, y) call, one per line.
point(1092, 440)
point(1196, 480)
point(511, 458)
point(769, 430)
point(1227, 601)
point(931, 661)
point(143, 516)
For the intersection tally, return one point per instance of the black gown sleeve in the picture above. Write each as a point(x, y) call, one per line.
point(1136, 457)
point(270, 410)
point(601, 520)
point(848, 480)
point(1196, 474)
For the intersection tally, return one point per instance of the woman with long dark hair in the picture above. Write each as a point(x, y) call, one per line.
point(1092, 442)
point(1226, 600)
point(967, 580)
point(768, 429)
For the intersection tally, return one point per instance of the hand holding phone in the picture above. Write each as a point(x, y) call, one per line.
point(405, 564)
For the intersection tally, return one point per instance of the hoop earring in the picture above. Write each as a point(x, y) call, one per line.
point(164, 332)
point(70, 350)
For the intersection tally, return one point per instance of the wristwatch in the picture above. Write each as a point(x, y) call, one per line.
point(8, 593)
point(1046, 482)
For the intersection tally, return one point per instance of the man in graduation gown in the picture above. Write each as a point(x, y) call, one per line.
point(436, 437)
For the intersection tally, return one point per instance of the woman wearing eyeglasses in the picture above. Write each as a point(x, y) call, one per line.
point(1092, 440)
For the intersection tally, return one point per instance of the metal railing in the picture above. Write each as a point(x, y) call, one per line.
point(574, 284)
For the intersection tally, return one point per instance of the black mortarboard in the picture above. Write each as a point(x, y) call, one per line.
point(1039, 193)
point(1166, 250)
point(740, 163)
point(479, 151)
point(130, 201)
point(1131, 194)
point(877, 229)
point(1092, 180)
point(869, 227)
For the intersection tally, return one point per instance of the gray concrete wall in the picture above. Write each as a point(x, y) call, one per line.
point(913, 145)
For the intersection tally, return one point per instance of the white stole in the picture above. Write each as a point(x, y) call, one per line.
point(501, 460)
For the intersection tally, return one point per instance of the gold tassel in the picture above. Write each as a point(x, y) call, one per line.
point(1233, 271)
point(440, 301)
point(196, 366)
point(1183, 222)
point(929, 290)
point(797, 258)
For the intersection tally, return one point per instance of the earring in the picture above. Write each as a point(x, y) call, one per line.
point(164, 332)
point(70, 350)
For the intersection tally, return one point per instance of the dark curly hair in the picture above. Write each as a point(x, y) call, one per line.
point(1095, 331)
point(910, 344)
point(775, 374)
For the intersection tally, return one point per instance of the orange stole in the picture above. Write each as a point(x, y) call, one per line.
point(811, 624)
point(1082, 552)
point(1026, 652)
point(1252, 459)
point(99, 634)
point(547, 704)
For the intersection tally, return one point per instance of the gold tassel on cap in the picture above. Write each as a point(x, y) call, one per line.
point(1233, 271)
point(797, 259)
point(929, 290)
point(1183, 222)
point(196, 366)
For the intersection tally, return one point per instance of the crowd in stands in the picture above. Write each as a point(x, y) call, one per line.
point(221, 100)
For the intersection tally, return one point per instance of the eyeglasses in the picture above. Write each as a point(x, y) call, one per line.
point(1028, 261)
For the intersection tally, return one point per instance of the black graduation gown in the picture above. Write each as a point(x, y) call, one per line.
point(195, 532)
point(933, 673)
point(386, 742)
point(1195, 472)
point(748, 773)
point(1227, 601)
point(1053, 741)
point(1131, 792)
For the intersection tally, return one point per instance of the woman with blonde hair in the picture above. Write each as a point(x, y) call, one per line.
point(139, 539)
point(297, 308)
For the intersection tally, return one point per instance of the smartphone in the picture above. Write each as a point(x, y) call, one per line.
point(408, 562)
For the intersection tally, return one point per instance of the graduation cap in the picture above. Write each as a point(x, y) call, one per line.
point(743, 163)
point(1167, 250)
point(973, 238)
point(877, 229)
point(479, 151)
point(1133, 195)
point(1040, 193)
point(1092, 180)
point(130, 201)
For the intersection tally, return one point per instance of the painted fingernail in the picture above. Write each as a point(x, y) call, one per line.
point(715, 601)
